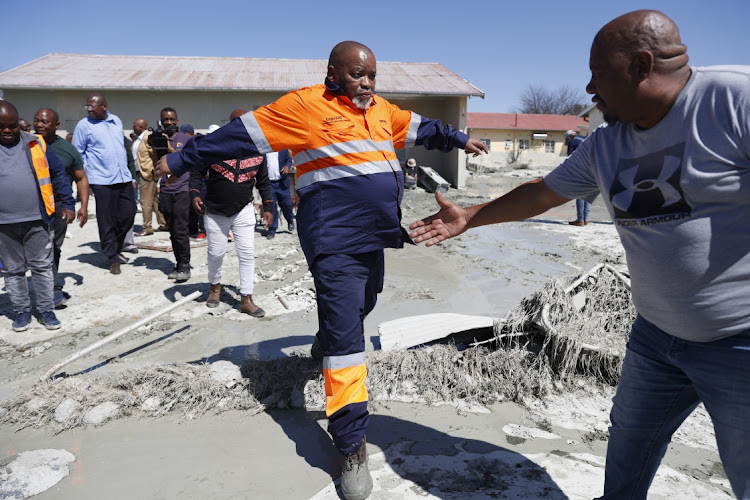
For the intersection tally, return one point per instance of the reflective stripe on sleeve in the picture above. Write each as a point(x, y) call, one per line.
point(411, 135)
point(341, 171)
point(44, 181)
point(256, 133)
point(342, 148)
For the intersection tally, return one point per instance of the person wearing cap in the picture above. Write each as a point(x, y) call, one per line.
point(583, 207)
point(410, 174)
point(187, 129)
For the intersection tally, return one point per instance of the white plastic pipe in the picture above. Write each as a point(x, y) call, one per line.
point(119, 333)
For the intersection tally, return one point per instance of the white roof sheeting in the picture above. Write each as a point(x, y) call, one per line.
point(117, 72)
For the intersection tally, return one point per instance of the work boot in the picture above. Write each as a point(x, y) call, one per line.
point(356, 481)
point(248, 306)
point(214, 295)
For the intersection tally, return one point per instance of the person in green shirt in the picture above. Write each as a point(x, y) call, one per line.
point(46, 123)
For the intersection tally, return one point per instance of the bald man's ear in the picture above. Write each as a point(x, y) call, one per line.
point(331, 72)
point(642, 65)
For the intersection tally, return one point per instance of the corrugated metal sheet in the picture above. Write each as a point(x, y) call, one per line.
point(519, 121)
point(72, 71)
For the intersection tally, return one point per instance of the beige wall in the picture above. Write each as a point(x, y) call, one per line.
point(536, 153)
point(201, 109)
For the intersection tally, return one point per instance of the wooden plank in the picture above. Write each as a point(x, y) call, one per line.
point(408, 332)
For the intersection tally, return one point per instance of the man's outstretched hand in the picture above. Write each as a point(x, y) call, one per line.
point(475, 147)
point(450, 221)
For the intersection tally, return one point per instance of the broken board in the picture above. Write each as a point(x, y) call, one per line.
point(431, 181)
point(411, 331)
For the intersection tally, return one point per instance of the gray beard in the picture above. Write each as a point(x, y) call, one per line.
point(361, 103)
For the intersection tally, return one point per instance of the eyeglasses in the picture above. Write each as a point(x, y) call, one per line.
point(89, 107)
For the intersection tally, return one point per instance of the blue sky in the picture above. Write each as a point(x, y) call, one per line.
point(500, 47)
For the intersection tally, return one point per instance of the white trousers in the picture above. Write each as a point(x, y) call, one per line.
point(242, 225)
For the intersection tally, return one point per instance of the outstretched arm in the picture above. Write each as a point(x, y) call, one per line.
point(527, 200)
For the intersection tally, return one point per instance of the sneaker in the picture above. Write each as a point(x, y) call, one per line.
point(49, 320)
point(59, 299)
point(578, 223)
point(173, 274)
point(271, 236)
point(183, 275)
point(22, 321)
point(356, 481)
point(316, 351)
point(230, 238)
point(291, 226)
point(200, 237)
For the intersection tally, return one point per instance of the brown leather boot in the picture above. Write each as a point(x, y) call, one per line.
point(248, 306)
point(213, 296)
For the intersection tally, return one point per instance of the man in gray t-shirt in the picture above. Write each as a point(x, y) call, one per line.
point(673, 168)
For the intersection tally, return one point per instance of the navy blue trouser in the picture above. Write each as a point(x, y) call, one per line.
point(347, 287)
point(283, 198)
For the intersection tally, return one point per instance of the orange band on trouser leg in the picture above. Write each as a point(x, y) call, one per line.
point(344, 386)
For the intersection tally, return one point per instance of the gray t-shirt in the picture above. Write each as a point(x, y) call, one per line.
point(679, 195)
point(19, 193)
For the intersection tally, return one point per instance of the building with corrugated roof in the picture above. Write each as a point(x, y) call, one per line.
point(205, 90)
point(528, 137)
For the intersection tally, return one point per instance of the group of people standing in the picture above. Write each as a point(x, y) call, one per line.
point(672, 165)
point(101, 160)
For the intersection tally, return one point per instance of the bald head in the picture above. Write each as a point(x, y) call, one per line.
point(9, 128)
point(139, 125)
point(342, 50)
point(237, 112)
point(644, 30)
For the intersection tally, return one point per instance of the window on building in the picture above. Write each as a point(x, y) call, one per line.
point(523, 144)
point(549, 146)
point(486, 142)
point(508, 143)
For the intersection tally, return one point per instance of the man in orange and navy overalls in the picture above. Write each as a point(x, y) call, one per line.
point(343, 139)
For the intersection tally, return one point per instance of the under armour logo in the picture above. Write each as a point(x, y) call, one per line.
point(650, 185)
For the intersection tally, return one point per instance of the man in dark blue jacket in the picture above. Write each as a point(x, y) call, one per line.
point(30, 176)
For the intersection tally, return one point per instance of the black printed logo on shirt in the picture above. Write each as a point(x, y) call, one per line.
point(647, 190)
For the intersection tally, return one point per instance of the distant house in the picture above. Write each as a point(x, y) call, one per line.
point(204, 90)
point(539, 139)
point(594, 117)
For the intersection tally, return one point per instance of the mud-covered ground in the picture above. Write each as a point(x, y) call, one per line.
point(556, 446)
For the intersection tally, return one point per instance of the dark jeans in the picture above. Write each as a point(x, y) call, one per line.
point(663, 379)
point(60, 227)
point(115, 213)
point(175, 208)
point(283, 198)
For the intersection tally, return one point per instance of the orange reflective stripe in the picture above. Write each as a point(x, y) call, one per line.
point(344, 386)
point(41, 168)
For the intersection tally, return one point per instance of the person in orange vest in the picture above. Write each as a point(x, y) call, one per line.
point(343, 138)
point(30, 177)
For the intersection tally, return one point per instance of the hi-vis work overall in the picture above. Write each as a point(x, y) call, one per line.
point(350, 185)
